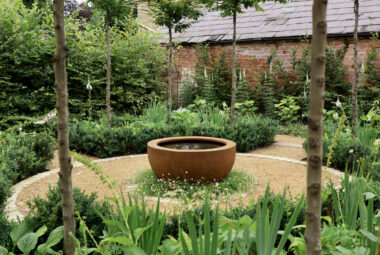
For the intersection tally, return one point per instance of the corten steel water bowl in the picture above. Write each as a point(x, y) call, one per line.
point(192, 158)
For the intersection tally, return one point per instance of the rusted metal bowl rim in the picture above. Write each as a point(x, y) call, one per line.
point(155, 144)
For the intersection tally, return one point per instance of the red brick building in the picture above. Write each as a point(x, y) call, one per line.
point(279, 26)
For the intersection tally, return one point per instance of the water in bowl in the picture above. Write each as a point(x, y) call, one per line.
point(191, 145)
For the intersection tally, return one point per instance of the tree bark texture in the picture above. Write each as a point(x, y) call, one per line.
point(315, 129)
point(60, 75)
point(356, 66)
point(233, 67)
point(108, 88)
point(170, 82)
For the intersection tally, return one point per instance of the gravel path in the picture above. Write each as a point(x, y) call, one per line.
point(264, 164)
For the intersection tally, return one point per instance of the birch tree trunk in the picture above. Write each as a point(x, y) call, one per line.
point(170, 82)
point(356, 66)
point(315, 129)
point(233, 66)
point(108, 88)
point(60, 75)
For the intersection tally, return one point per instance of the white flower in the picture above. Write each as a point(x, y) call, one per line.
point(351, 151)
point(205, 72)
point(182, 110)
point(338, 103)
point(202, 101)
point(335, 116)
point(88, 86)
point(20, 129)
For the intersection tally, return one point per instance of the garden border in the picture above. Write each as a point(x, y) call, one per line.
point(12, 212)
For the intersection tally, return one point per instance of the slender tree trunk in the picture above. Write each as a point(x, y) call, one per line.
point(60, 75)
point(108, 88)
point(315, 129)
point(170, 74)
point(233, 66)
point(356, 66)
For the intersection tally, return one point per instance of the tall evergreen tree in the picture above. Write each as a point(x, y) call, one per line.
point(232, 8)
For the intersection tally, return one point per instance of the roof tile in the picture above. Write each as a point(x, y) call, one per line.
point(292, 19)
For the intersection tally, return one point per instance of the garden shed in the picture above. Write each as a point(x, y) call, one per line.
point(283, 27)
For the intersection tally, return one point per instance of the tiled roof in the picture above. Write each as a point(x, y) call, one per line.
point(281, 21)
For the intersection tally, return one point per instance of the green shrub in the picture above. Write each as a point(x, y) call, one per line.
point(21, 156)
point(350, 153)
point(97, 139)
point(26, 73)
point(5, 188)
point(254, 133)
point(347, 152)
point(31, 152)
point(49, 212)
point(5, 227)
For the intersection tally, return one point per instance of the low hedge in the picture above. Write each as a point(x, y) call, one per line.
point(48, 212)
point(97, 139)
point(347, 154)
point(22, 155)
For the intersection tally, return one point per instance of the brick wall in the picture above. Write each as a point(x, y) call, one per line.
point(252, 57)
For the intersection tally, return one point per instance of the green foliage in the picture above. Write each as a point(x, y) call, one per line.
point(354, 154)
point(29, 152)
point(149, 185)
point(336, 85)
point(212, 76)
point(26, 75)
point(287, 109)
point(6, 228)
point(294, 129)
point(113, 9)
point(21, 156)
point(174, 15)
point(187, 94)
point(369, 91)
point(24, 240)
point(25, 59)
point(246, 108)
point(268, 226)
point(48, 211)
point(353, 213)
point(254, 132)
point(132, 136)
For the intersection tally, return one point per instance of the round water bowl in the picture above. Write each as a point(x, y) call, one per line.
point(192, 158)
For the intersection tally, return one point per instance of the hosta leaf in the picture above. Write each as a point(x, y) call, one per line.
point(132, 250)
point(27, 243)
point(123, 240)
point(42, 230)
point(19, 231)
point(54, 238)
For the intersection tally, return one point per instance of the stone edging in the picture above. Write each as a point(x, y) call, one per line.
point(11, 209)
point(12, 212)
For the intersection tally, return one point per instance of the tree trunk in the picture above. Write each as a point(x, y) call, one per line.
point(108, 88)
point(60, 75)
point(170, 74)
point(315, 129)
point(356, 66)
point(233, 66)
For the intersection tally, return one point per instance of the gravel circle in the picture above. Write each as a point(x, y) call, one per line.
point(278, 173)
